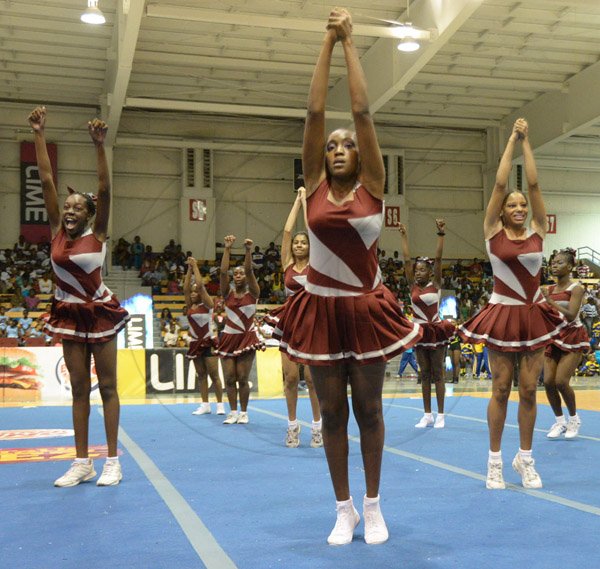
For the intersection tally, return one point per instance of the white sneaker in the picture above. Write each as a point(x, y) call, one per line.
point(526, 468)
point(232, 417)
point(204, 409)
point(556, 430)
point(347, 520)
point(572, 429)
point(375, 529)
point(292, 438)
point(425, 422)
point(111, 474)
point(77, 473)
point(316, 438)
point(495, 480)
point(440, 422)
point(220, 409)
point(243, 418)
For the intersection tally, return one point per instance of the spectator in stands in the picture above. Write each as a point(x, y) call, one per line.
point(45, 285)
point(136, 252)
point(476, 268)
point(169, 249)
point(165, 318)
point(121, 253)
point(31, 299)
point(173, 284)
point(589, 314)
point(3, 318)
point(258, 259)
point(12, 329)
point(171, 335)
point(582, 270)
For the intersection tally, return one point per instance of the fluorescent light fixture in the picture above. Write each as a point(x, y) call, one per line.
point(408, 44)
point(92, 14)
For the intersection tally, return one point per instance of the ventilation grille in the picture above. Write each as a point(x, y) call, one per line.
point(190, 168)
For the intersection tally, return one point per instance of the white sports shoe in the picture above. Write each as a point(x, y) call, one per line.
point(204, 409)
point(525, 466)
point(556, 430)
point(232, 417)
point(347, 520)
point(425, 422)
point(220, 409)
point(495, 480)
point(572, 429)
point(292, 438)
point(440, 422)
point(77, 473)
point(111, 474)
point(316, 438)
point(375, 529)
point(243, 418)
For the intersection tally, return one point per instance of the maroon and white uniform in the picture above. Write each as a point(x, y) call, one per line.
point(517, 318)
point(294, 281)
point(239, 334)
point(426, 312)
point(200, 318)
point(573, 337)
point(344, 312)
point(83, 308)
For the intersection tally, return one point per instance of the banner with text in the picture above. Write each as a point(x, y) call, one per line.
point(34, 218)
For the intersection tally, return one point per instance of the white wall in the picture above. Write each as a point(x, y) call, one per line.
point(444, 176)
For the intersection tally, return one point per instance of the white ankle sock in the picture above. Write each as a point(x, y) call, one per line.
point(495, 456)
point(370, 501)
point(525, 453)
point(293, 423)
point(561, 420)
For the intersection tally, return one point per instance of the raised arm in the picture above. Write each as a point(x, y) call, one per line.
point(204, 296)
point(492, 222)
point(313, 145)
point(187, 284)
point(253, 287)
point(372, 171)
point(408, 268)
point(98, 130)
point(439, 253)
point(224, 273)
point(574, 308)
point(539, 220)
point(286, 242)
point(37, 121)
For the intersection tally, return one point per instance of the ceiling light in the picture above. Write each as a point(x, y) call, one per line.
point(408, 44)
point(92, 14)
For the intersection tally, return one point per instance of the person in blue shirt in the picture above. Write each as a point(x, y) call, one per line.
point(12, 329)
point(25, 321)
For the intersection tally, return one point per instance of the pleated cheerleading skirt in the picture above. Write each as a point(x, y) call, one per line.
point(326, 330)
point(88, 322)
point(508, 328)
point(436, 334)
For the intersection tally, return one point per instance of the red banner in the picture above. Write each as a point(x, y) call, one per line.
point(34, 218)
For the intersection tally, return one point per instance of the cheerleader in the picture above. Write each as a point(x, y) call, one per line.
point(85, 314)
point(564, 354)
point(294, 262)
point(238, 341)
point(425, 281)
point(345, 324)
point(199, 312)
point(517, 323)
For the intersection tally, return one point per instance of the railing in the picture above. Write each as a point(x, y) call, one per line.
point(589, 254)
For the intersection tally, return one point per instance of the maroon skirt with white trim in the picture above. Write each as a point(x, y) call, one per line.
point(198, 348)
point(326, 330)
point(272, 317)
point(87, 322)
point(436, 334)
point(572, 338)
point(234, 345)
point(509, 328)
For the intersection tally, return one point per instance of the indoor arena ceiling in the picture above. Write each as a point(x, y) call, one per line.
point(486, 62)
